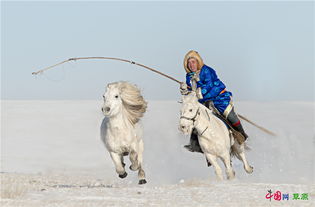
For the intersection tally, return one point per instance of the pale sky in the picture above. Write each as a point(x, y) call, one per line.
point(262, 51)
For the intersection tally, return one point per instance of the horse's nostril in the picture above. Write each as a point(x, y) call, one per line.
point(107, 109)
point(183, 127)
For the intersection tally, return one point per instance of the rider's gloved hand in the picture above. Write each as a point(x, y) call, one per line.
point(194, 77)
point(183, 89)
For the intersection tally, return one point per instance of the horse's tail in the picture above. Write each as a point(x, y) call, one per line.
point(234, 152)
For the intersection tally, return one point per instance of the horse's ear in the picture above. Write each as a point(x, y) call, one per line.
point(193, 93)
point(190, 96)
point(109, 85)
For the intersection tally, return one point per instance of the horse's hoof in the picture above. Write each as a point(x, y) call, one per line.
point(208, 163)
point(142, 181)
point(123, 175)
point(130, 167)
point(231, 176)
point(250, 170)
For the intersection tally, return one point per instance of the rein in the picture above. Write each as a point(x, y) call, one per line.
point(191, 119)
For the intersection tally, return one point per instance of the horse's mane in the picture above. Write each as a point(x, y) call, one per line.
point(134, 104)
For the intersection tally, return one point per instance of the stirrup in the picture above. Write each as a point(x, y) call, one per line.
point(238, 136)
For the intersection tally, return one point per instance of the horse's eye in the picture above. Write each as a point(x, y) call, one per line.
point(190, 110)
point(116, 96)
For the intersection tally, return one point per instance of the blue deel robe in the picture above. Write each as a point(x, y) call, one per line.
point(211, 88)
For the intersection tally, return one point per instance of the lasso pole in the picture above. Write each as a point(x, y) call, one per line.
point(107, 58)
point(256, 125)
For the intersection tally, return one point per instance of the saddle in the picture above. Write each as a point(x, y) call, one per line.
point(236, 134)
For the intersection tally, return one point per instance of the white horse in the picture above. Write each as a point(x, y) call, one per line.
point(214, 138)
point(121, 131)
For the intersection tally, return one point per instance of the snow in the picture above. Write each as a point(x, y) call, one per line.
point(56, 146)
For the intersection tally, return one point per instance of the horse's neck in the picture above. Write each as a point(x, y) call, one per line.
point(206, 118)
point(120, 120)
point(202, 119)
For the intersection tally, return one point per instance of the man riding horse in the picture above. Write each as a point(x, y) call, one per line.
point(210, 91)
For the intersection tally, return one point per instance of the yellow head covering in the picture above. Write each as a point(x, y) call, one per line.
point(193, 54)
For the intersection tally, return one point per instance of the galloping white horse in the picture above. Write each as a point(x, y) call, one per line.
point(121, 131)
point(214, 137)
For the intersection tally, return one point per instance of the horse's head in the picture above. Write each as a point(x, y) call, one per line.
point(123, 97)
point(112, 100)
point(188, 113)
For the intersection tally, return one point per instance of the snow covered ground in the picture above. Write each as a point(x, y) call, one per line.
point(52, 155)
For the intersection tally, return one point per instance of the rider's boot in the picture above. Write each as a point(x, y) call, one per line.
point(236, 123)
point(240, 128)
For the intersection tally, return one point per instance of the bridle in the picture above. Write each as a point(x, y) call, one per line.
point(193, 119)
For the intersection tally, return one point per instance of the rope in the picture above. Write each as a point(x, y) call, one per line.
point(107, 58)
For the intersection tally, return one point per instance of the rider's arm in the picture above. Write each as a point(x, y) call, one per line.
point(212, 86)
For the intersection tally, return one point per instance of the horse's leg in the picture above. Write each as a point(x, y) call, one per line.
point(134, 160)
point(213, 160)
point(241, 155)
point(247, 167)
point(118, 164)
point(227, 162)
point(141, 173)
point(122, 160)
point(136, 163)
point(141, 176)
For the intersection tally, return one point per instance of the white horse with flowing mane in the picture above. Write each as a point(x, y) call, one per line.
point(214, 137)
point(121, 131)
